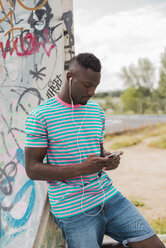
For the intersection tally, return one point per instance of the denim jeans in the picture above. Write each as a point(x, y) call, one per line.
point(119, 219)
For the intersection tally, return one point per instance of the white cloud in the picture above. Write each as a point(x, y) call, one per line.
point(121, 38)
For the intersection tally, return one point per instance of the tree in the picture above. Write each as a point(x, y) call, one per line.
point(141, 76)
point(162, 80)
point(130, 99)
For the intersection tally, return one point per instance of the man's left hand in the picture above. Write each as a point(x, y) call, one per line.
point(114, 162)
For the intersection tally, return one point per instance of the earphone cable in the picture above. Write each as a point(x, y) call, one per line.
point(80, 126)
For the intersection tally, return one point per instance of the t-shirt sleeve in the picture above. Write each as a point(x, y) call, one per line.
point(102, 116)
point(36, 134)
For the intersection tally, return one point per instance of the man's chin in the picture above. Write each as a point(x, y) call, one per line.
point(84, 102)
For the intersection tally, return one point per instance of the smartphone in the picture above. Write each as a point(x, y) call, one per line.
point(114, 154)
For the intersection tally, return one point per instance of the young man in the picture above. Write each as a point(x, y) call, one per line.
point(67, 130)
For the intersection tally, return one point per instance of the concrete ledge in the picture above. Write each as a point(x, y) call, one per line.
point(49, 235)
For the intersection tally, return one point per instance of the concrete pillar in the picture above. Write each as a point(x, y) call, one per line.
point(36, 44)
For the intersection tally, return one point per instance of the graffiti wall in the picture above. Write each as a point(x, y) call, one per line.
point(36, 45)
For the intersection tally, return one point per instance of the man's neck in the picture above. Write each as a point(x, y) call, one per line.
point(64, 96)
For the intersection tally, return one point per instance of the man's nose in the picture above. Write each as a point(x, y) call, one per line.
point(91, 91)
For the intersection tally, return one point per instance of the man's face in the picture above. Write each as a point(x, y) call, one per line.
point(84, 83)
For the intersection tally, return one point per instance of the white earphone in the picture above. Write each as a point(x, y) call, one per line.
point(70, 80)
point(79, 130)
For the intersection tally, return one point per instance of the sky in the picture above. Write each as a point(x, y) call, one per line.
point(119, 33)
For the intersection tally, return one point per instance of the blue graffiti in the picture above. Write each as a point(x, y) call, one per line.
point(20, 156)
point(18, 225)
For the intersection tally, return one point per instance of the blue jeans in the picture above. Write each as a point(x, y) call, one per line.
point(119, 219)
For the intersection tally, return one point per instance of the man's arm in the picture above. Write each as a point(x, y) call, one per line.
point(37, 170)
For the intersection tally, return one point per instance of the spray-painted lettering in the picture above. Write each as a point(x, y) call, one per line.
point(27, 45)
point(54, 86)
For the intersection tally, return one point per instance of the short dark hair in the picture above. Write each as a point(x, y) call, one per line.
point(87, 61)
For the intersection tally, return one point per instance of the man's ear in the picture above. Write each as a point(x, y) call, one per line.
point(68, 75)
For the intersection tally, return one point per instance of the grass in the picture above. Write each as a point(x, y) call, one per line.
point(137, 202)
point(156, 130)
point(133, 137)
point(159, 225)
point(124, 141)
point(159, 143)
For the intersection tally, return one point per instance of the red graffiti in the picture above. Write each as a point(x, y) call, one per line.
point(27, 45)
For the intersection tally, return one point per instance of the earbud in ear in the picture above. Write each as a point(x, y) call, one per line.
point(70, 80)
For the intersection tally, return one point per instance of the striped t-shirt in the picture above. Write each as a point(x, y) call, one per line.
point(70, 135)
